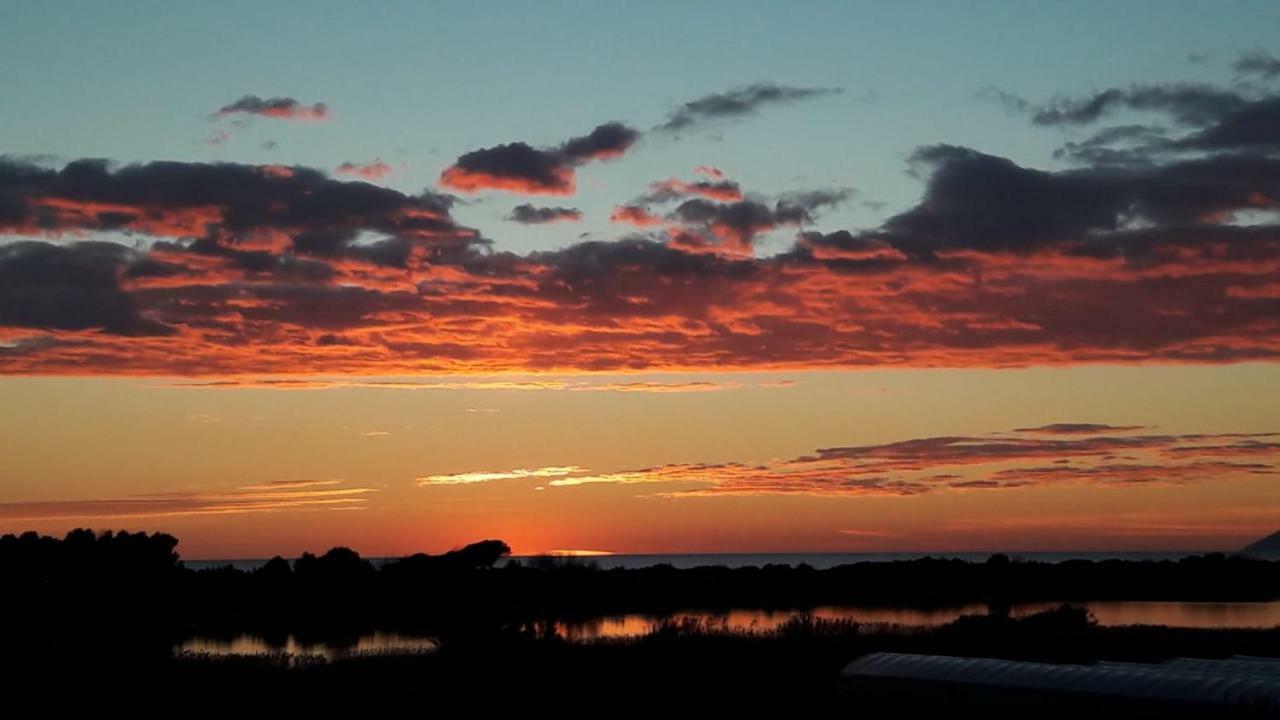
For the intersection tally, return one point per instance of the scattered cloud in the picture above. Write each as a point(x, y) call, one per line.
point(375, 170)
point(634, 215)
point(720, 189)
point(1079, 429)
point(737, 103)
point(278, 108)
point(1262, 64)
point(1160, 244)
point(529, 215)
point(521, 168)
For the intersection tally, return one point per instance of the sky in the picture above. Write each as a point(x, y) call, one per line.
point(720, 277)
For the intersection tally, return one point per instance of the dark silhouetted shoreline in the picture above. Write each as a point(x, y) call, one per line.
point(91, 601)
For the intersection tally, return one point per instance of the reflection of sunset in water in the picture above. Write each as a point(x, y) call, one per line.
point(1179, 614)
point(370, 644)
point(1174, 614)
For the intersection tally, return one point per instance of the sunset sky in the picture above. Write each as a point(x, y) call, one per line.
point(642, 278)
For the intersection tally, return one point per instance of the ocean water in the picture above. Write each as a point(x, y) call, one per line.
point(816, 560)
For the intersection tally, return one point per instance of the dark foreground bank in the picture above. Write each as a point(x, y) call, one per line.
point(97, 616)
point(681, 668)
point(132, 589)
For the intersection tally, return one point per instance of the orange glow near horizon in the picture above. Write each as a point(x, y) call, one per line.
point(1003, 460)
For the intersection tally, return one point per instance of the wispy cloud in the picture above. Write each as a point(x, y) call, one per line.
point(698, 386)
point(1073, 453)
point(281, 496)
point(481, 476)
point(737, 103)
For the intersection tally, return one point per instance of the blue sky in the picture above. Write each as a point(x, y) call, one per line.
point(419, 84)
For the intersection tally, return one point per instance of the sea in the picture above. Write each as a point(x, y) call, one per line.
point(819, 561)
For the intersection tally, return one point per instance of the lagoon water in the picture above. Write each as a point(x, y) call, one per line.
point(1109, 613)
point(372, 643)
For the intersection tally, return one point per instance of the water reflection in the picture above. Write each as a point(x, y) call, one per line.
point(371, 644)
point(1174, 614)
point(1181, 614)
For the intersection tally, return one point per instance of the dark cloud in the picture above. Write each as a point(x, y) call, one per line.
point(281, 108)
point(737, 103)
point(76, 287)
point(529, 215)
point(1254, 126)
point(1141, 253)
point(737, 224)
point(978, 200)
point(1217, 120)
point(1078, 429)
point(606, 141)
point(814, 200)
point(224, 204)
point(974, 200)
point(844, 245)
point(597, 263)
point(521, 168)
point(671, 189)
point(1257, 63)
point(514, 167)
point(1188, 104)
point(1116, 145)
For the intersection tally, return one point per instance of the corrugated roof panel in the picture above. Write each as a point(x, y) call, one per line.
point(1215, 681)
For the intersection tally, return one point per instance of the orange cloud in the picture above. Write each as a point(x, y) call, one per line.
point(634, 215)
point(245, 270)
point(940, 464)
point(718, 189)
point(375, 170)
point(556, 181)
point(530, 385)
point(520, 168)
